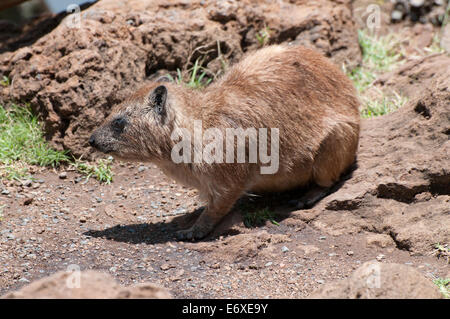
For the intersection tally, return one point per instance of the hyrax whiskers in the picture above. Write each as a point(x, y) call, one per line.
point(306, 106)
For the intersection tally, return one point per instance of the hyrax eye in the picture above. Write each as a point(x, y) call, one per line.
point(118, 124)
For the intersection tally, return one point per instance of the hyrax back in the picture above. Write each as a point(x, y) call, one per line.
point(295, 90)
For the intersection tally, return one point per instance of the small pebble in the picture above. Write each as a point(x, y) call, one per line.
point(63, 175)
point(166, 267)
point(28, 200)
point(27, 183)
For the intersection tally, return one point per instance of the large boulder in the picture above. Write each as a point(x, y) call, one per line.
point(85, 285)
point(374, 280)
point(401, 185)
point(74, 74)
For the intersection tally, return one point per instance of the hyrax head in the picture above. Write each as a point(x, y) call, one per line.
point(140, 127)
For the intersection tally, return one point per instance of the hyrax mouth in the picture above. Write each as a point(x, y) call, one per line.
point(95, 143)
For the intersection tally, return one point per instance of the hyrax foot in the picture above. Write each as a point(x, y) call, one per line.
point(216, 209)
point(193, 233)
point(312, 197)
point(202, 227)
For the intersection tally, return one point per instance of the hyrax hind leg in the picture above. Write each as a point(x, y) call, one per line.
point(311, 197)
point(218, 206)
point(336, 153)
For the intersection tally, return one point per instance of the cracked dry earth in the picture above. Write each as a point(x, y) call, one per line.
point(127, 229)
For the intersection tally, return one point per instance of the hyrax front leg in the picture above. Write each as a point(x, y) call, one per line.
point(216, 209)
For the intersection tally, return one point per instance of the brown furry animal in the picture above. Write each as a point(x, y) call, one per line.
point(294, 89)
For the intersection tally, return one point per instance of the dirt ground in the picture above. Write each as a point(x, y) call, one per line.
point(127, 229)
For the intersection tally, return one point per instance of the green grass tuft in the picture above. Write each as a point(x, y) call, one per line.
point(5, 81)
point(196, 77)
point(263, 36)
point(380, 54)
point(22, 143)
point(444, 286)
point(101, 171)
point(382, 106)
point(258, 218)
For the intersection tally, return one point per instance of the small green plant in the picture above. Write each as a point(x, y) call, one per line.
point(382, 106)
point(253, 219)
point(444, 286)
point(14, 171)
point(101, 171)
point(263, 36)
point(22, 143)
point(196, 80)
point(362, 78)
point(380, 54)
point(5, 81)
point(442, 251)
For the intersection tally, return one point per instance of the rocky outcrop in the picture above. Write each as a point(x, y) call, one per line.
point(416, 75)
point(374, 280)
point(74, 74)
point(85, 285)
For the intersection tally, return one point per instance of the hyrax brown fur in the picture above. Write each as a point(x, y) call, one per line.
point(295, 89)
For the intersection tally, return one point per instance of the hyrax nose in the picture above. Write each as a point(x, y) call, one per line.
point(92, 141)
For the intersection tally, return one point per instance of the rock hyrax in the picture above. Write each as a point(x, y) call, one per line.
point(307, 108)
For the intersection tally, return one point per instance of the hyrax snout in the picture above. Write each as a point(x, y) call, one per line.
point(281, 118)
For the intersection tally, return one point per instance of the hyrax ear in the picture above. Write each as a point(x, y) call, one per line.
point(163, 78)
point(158, 99)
